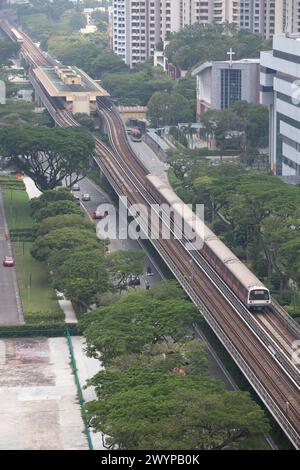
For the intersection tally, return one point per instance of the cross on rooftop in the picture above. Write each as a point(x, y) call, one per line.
point(231, 54)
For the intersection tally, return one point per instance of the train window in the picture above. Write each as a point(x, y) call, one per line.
point(260, 294)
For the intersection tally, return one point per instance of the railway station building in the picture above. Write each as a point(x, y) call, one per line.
point(76, 91)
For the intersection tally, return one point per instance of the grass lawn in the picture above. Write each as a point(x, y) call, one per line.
point(17, 209)
point(38, 297)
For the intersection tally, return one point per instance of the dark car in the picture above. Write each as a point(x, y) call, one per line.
point(134, 280)
point(149, 271)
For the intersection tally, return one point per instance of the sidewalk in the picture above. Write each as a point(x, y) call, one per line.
point(31, 188)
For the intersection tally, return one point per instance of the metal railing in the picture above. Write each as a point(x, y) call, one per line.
point(79, 389)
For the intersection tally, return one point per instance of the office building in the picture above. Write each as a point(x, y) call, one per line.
point(280, 90)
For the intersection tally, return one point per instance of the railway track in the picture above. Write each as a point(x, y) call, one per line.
point(247, 337)
point(118, 140)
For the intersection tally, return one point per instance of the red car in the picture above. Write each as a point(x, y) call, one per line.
point(8, 261)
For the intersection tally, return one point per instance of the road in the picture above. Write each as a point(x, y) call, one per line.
point(10, 302)
point(98, 196)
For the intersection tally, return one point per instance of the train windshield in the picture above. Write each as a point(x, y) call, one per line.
point(259, 294)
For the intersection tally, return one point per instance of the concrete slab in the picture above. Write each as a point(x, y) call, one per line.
point(38, 397)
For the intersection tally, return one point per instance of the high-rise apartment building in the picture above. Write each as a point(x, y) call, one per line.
point(292, 18)
point(138, 25)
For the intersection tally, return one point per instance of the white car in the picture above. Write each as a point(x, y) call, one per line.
point(86, 197)
point(59, 295)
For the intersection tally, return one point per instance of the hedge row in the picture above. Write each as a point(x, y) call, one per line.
point(48, 330)
point(22, 234)
point(42, 318)
point(10, 182)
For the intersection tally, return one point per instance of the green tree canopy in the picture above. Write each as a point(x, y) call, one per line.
point(166, 109)
point(82, 275)
point(7, 50)
point(135, 320)
point(168, 401)
point(63, 221)
point(61, 239)
point(48, 155)
point(199, 43)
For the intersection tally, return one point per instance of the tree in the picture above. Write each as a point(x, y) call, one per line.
point(85, 120)
point(153, 407)
point(198, 43)
point(249, 118)
point(89, 52)
point(62, 194)
point(123, 263)
point(135, 320)
point(169, 109)
point(64, 221)
point(137, 86)
point(63, 239)
point(54, 208)
point(77, 21)
point(17, 113)
point(47, 155)
point(7, 50)
point(82, 275)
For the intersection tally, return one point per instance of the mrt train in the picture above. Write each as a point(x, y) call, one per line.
point(17, 35)
point(247, 287)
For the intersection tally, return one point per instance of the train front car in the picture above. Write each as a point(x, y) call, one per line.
point(245, 285)
point(258, 298)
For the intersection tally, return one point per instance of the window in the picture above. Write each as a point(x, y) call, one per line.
point(231, 87)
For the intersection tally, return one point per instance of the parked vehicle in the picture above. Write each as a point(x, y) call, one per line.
point(149, 271)
point(134, 280)
point(75, 187)
point(98, 216)
point(8, 261)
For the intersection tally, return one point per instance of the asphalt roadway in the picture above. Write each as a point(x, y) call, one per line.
point(98, 197)
point(10, 302)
